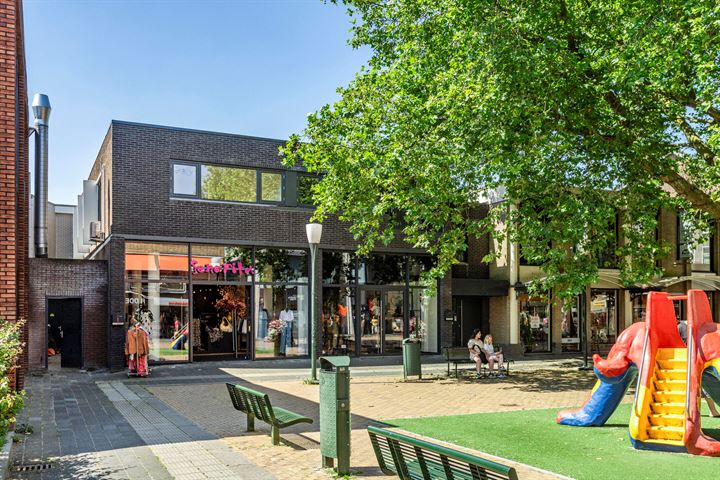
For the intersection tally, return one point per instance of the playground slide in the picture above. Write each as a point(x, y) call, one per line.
point(606, 395)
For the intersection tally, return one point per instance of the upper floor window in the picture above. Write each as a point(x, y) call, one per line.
point(304, 189)
point(695, 245)
point(184, 179)
point(229, 183)
point(234, 184)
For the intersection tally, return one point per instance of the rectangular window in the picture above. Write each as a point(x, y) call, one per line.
point(535, 323)
point(229, 183)
point(271, 187)
point(603, 320)
point(304, 190)
point(571, 326)
point(184, 179)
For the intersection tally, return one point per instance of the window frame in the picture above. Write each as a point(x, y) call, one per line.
point(221, 165)
point(299, 176)
point(195, 165)
point(259, 183)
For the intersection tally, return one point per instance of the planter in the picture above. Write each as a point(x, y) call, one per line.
point(276, 347)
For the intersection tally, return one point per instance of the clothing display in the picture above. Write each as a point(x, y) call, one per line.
point(287, 318)
point(263, 323)
point(136, 350)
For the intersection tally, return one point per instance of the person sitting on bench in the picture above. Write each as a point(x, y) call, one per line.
point(475, 346)
point(492, 356)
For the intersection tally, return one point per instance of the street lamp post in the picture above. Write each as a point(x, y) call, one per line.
point(314, 232)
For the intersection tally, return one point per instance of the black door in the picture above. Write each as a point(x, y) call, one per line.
point(65, 330)
point(473, 314)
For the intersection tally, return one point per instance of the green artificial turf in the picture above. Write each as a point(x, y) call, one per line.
point(532, 437)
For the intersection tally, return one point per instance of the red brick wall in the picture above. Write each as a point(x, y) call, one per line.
point(14, 174)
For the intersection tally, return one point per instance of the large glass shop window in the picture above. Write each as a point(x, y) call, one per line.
point(535, 323)
point(603, 319)
point(571, 326)
point(281, 320)
point(156, 296)
point(638, 302)
point(338, 321)
point(281, 265)
point(221, 264)
point(423, 323)
point(382, 270)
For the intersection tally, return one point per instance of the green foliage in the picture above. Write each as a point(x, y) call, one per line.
point(10, 349)
point(225, 183)
point(577, 112)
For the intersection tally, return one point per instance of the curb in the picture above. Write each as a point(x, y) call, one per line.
point(5, 454)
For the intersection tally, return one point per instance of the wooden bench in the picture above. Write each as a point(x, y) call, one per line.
point(257, 405)
point(414, 459)
point(456, 355)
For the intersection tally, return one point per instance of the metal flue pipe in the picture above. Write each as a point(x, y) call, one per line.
point(41, 110)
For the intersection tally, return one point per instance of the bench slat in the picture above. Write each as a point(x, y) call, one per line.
point(412, 458)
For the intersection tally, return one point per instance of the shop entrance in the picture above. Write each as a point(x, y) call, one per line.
point(64, 332)
point(469, 313)
point(220, 321)
point(382, 322)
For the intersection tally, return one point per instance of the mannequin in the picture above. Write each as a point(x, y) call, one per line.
point(286, 340)
point(136, 350)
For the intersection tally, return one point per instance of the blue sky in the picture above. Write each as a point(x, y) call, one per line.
point(254, 67)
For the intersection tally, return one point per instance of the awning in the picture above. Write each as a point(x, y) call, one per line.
point(479, 287)
point(155, 262)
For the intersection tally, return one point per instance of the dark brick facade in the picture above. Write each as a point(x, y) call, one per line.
point(60, 278)
point(14, 172)
point(135, 165)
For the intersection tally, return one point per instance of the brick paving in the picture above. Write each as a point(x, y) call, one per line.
point(373, 398)
point(179, 423)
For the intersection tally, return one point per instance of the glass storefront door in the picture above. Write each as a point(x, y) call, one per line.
point(381, 321)
point(221, 321)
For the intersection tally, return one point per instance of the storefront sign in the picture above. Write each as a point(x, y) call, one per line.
point(234, 267)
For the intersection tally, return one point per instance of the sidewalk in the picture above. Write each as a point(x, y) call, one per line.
point(179, 422)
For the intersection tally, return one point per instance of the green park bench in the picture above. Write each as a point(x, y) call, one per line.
point(257, 404)
point(414, 459)
point(457, 355)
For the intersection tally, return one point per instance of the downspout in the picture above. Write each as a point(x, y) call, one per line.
point(41, 110)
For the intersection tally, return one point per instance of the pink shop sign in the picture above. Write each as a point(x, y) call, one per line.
point(234, 267)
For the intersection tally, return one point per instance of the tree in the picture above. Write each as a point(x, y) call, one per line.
point(578, 112)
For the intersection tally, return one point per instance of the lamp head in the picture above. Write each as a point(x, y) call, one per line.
point(314, 233)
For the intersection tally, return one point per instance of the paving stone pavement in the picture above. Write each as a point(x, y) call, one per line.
point(80, 434)
point(372, 399)
point(186, 451)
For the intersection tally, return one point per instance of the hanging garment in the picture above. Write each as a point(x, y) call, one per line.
point(286, 338)
point(263, 323)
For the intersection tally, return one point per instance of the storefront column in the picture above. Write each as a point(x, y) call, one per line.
point(115, 256)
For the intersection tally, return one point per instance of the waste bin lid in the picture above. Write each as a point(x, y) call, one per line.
point(327, 363)
point(409, 340)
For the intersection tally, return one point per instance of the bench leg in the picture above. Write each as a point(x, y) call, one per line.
point(275, 435)
point(448, 369)
point(250, 422)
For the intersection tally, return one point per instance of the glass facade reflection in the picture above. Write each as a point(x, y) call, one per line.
point(535, 323)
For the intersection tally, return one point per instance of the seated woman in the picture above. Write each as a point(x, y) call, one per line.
point(475, 346)
point(492, 356)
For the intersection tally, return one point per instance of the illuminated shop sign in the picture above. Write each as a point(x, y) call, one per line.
point(234, 267)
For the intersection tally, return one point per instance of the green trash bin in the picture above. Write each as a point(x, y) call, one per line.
point(335, 413)
point(411, 357)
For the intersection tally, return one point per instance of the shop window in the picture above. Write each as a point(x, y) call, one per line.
point(221, 263)
point(603, 319)
point(571, 326)
point(281, 265)
point(156, 261)
point(382, 270)
point(416, 266)
point(281, 321)
point(305, 189)
point(162, 310)
point(184, 179)
point(695, 246)
point(338, 321)
point(338, 268)
point(271, 187)
point(535, 323)
point(423, 323)
point(639, 303)
point(229, 183)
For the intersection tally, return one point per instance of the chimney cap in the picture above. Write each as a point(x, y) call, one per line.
point(41, 107)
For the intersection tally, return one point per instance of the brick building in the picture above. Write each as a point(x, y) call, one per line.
point(14, 173)
point(202, 238)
